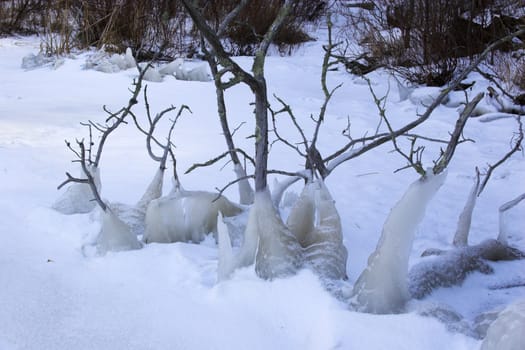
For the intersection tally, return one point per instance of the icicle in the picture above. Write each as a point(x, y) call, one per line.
point(383, 287)
point(465, 219)
point(115, 235)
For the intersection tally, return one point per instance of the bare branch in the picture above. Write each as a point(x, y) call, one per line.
point(340, 156)
point(517, 146)
point(230, 17)
point(446, 157)
point(216, 159)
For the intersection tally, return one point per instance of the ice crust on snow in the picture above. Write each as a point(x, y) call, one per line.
point(383, 286)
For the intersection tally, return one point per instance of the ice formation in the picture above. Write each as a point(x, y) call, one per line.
point(153, 191)
point(151, 74)
point(315, 222)
point(278, 253)
point(33, 61)
point(172, 68)
point(185, 216)
point(247, 252)
point(115, 235)
point(226, 258)
point(383, 287)
point(246, 194)
point(110, 63)
point(78, 197)
point(465, 218)
point(507, 332)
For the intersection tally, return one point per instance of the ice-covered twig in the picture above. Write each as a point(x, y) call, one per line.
point(503, 228)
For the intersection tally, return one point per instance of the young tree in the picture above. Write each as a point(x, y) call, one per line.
point(278, 252)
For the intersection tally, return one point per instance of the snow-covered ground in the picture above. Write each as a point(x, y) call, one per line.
point(55, 293)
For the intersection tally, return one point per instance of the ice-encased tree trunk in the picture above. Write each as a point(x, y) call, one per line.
point(115, 235)
point(383, 286)
point(503, 226)
point(135, 215)
point(267, 242)
point(185, 216)
point(465, 218)
point(315, 222)
point(153, 191)
point(78, 197)
point(228, 262)
point(279, 253)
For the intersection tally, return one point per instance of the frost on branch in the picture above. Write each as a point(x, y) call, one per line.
point(507, 332)
point(115, 235)
point(315, 222)
point(185, 216)
point(78, 197)
point(278, 252)
point(383, 286)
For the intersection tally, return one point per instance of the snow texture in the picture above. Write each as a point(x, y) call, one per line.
point(315, 222)
point(78, 197)
point(186, 216)
point(115, 235)
point(383, 287)
point(507, 332)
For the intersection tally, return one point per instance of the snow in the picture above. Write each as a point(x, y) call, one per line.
point(57, 294)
